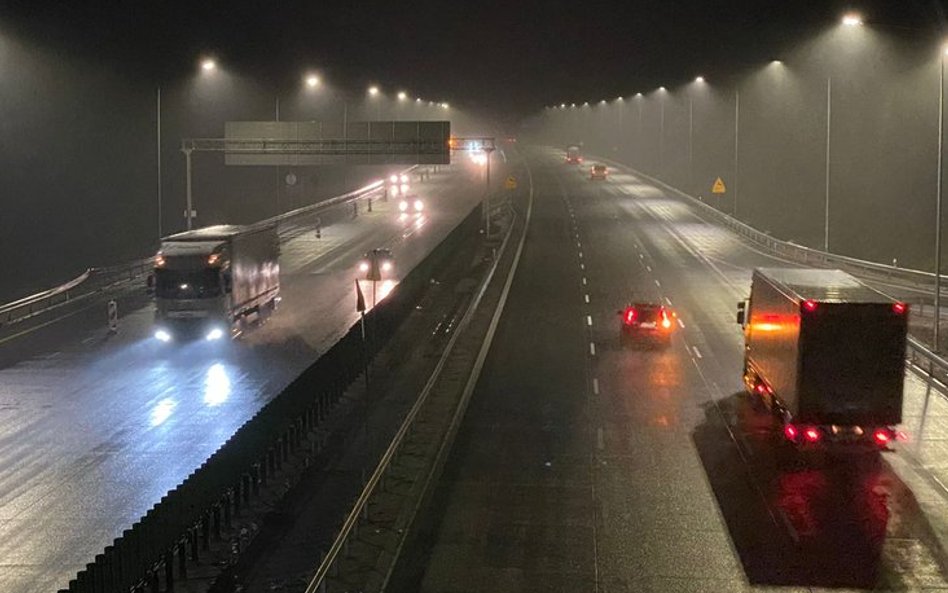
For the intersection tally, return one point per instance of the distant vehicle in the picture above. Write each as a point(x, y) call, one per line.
point(598, 172)
point(646, 324)
point(573, 156)
point(377, 263)
point(826, 354)
point(206, 282)
point(411, 204)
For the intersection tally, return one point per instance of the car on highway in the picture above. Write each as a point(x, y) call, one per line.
point(573, 155)
point(646, 324)
point(411, 204)
point(598, 171)
point(377, 263)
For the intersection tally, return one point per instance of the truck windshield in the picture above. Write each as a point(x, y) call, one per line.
point(187, 284)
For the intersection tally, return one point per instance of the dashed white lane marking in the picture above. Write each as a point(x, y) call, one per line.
point(589, 320)
point(697, 352)
point(592, 348)
point(582, 266)
point(641, 256)
point(580, 255)
point(648, 267)
point(584, 281)
point(668, 300)
point(600, 439)
point(578, 244)
point(586, 297)
point(595, 386)
point(658, 284)
point(89, 339)
point(681, 323)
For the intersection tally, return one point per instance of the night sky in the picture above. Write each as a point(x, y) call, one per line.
point(505, 59)
point(78, 84)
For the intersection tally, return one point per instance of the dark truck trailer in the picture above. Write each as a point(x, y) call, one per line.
point(826, 353)
point(208, 281)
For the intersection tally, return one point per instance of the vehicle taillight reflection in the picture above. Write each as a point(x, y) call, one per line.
point(630, 315)
point(812, 434)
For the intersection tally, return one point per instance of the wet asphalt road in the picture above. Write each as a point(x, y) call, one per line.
point(95, 429)
point(583, 466)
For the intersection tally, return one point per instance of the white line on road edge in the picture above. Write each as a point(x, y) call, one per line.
point(595, 386)
point(589, 320)
point(697, 352)
point(586, 296)
point(592, 348)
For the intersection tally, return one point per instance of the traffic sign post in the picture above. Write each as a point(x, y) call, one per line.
point(718, 186)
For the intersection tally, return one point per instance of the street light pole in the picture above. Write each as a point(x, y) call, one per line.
point(829, 127)
point(691, 142)
point(158, 152)
point(938, 197)
point(661, 134)
point(737, 136)
point(187, 158)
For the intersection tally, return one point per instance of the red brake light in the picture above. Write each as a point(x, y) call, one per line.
point(812, 434)
point(899, 308)
point(790, 431)
point(882, 436)
point(810, 305)
point(630, 315)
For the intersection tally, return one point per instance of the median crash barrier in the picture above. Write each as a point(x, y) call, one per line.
point(176, 531)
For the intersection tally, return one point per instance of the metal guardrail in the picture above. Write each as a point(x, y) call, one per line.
point(318, 581)
point(94, 280)
point(922, 358)
point(800, 253)
point(179, 529)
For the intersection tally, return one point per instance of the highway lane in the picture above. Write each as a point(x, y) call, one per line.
point(583, 466)
point(94, 430)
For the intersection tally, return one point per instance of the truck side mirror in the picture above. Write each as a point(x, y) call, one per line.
point(741, 312)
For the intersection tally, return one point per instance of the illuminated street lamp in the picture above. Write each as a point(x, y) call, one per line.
point(402, 95)
point(312, 81)
point(208, 65)
point(373, 91)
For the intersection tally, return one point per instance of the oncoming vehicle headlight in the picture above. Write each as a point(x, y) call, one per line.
point(215, 334)
point(162, 335)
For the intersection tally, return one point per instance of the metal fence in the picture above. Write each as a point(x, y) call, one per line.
point(178, 528)
point(96, 280)
point(921, 357)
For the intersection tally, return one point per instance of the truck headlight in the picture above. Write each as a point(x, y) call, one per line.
point(162, 335)
point(215, 334)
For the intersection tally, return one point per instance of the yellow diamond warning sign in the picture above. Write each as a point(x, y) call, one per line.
point(511, 182)
point(718, 187)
